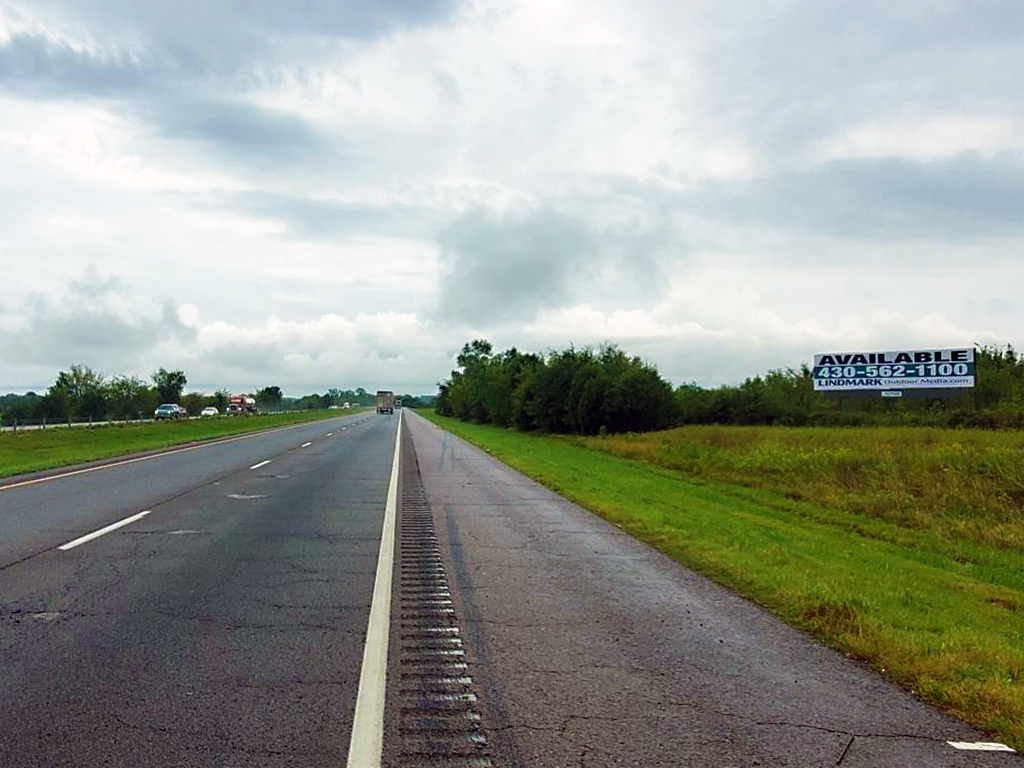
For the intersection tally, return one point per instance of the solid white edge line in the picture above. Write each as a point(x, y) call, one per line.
point(261, 464)
point(101, 531)
point(981, 746)
point(367, 743)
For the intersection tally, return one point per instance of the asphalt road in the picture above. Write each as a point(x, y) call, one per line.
point(582, 648)
point(224, 628)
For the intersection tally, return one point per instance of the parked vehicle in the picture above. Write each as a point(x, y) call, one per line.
point(182, 411)
point(167, 411)
point(209, 411)
point(385, 401)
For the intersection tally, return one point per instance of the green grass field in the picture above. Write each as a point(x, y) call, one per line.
point(34, 450)
point(900, 547)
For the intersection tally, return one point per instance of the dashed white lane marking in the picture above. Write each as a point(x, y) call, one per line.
point(247, 496)
point(48, 478)
point(305, 445)
point(328, 434)
point(261, 464)
point(101, 531)
point(367, 743)
point(981, 746)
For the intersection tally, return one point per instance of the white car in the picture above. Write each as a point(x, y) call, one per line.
point(209, 411)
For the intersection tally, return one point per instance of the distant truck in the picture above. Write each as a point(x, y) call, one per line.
point(398, 402)
point(241, 405)
point(385, 401)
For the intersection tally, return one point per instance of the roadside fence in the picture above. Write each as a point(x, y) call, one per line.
point(25, 425)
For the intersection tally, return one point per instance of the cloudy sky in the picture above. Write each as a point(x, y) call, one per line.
point(341, 193)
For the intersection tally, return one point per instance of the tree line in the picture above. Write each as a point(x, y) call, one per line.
point(577, 391)
point(787, 397)
point(587, 392)
point(82, 394)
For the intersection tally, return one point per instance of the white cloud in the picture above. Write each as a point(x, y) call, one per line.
point(347, 194)
point(585, 325)
point(928, 139)
point(332, 348)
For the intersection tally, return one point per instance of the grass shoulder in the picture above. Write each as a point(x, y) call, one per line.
point(40, 449)
point(942, 614)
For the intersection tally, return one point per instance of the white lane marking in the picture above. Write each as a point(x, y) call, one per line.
point(305, 445)
point(101, 531)
point(366, 746)
point(261, 464)
point(246, 496)
point(328, 434)
point(981, 746)
point(147, 458)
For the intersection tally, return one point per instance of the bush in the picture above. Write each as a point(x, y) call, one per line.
point(573, 391)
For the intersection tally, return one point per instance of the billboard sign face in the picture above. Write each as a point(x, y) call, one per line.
point(917, 370)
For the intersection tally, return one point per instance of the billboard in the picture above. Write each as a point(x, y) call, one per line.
point(914, 372)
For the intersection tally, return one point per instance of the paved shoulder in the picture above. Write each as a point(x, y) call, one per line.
point(590, 649)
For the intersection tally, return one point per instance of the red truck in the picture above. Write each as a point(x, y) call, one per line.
point(241, 405)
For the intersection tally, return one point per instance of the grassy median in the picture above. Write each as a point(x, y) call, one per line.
point(900, 547)
point(38, 449)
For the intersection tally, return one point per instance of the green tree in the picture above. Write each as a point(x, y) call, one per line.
point(269, 398)
point(127, 397)
point(20, 408)
point(84, 390)
point(79, 381)
point(194, 402)
point(574, 390)
point(221, 398)
point(169, 385)
point(309, 402)
point(443, 401)
point(466, 390)
point(55, 405)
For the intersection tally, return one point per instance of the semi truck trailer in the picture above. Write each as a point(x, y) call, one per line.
point(241, 404)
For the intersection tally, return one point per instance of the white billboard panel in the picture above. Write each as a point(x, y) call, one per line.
point(913, 369)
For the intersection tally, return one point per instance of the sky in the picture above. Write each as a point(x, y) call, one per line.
point(340, 193)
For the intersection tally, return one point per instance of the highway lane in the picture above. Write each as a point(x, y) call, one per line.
point(571, 644)
point(225, 628)
point(35, 516)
